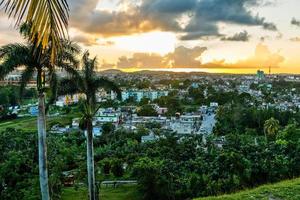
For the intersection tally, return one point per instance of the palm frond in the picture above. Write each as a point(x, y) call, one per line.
point(69, 86)
point(88, 65)
point(13, 56)
point(49, 20)
point(53, 83)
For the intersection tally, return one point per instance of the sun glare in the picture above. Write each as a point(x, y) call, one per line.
point(154, 42)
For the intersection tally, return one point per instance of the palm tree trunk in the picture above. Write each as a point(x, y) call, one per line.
point(90, 161)
point(41, 123)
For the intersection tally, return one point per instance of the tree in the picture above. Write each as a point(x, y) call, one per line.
point(271, 128)
point(49, 19)
point(88, 83)
point(147, 110)
point(40, 64)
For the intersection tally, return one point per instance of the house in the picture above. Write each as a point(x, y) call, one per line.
point(69, 99)
point(108, 115)
point(160, 110)
point(185, 124)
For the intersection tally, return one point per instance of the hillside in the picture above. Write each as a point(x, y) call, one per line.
point(286, 190)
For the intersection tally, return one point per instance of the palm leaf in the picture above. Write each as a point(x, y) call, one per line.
point(69, 86)
point(49, 20)
point(13, 56)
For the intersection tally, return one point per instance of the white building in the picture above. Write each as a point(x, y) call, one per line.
point(138, 95)
point(186, 124)
point(69, 99)
point(108, 116)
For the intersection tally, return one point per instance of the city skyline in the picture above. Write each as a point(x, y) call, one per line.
point(234, 36)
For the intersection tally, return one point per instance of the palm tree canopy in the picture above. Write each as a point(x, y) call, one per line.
point(13, 56)
point(271, 126)
point(87, 82)
point(49, 19)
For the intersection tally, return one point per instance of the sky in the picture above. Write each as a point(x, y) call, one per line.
point(230, 36)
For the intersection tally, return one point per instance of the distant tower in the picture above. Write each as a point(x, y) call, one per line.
point(270, 70)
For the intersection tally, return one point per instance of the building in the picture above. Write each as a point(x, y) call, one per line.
point(108, 115)
point(185, 124)
point(138, 95)
point(260, 75)
point(69, 99)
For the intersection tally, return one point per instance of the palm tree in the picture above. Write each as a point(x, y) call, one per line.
point(271, 127)
point(39, 65)
point(87, 82)
point(49, 20)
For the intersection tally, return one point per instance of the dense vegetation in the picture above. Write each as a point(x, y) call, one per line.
point(249, 147)
point(171, 168)
point(18, 163)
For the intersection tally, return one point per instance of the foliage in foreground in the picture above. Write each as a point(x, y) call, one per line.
point(172, 168)
point(19, 175)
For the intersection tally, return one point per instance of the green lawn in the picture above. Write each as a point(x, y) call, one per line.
point(26, 123)
point(286, 190)
point(107, 193)
point(30, 123)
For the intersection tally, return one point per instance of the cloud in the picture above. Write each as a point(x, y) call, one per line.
point(8, 32)
point(182, 57)
point(106, 65)
point(142, 61)
point(241, 37)
point(139, 16)
point(87, 40)
point(209, 13)
point(269, 26)
point(90, 40)
point(295, 39)
point(295, 22)
point(262, 58)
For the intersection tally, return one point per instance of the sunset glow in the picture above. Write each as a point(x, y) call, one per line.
point(217, 36)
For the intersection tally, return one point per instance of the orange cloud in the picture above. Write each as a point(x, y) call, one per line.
point(184, 57)
point(262, 58)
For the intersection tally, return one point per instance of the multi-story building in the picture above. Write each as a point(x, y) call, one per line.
point(138, 95)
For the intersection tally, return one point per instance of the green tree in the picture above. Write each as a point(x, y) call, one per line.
point(271, 128)
point(88, 83)
point(38, 61)
point(4, 100)
point(147, 110)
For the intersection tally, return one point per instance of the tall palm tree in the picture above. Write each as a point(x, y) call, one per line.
point(87, 82)
point(271, 127)
point(49, 20)
point(39, 65)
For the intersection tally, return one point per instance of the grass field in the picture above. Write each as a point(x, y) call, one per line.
point(30, 123)
point(109, 193)
point(286, 190)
